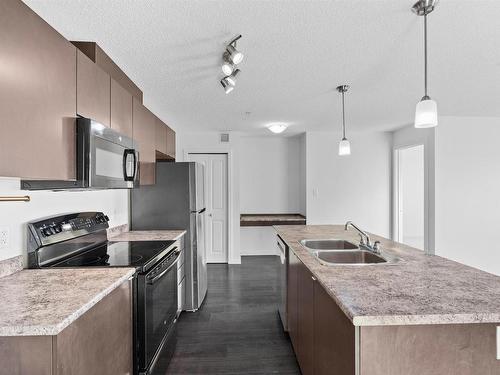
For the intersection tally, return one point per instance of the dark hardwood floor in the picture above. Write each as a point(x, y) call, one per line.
point(237, 330)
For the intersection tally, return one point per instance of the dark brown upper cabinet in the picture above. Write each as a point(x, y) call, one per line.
point(161, 139)
point(97, 55)
point(144, 131)
point(93, 90)
point(121, 109)
point(170, 142)
point(37, 96)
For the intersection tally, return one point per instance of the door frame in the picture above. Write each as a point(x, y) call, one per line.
point(396, 198)
point(232, 257)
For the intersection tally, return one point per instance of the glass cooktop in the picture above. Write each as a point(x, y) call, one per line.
point(139, 254)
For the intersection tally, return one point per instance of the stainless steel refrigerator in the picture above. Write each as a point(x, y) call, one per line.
point(177, 201)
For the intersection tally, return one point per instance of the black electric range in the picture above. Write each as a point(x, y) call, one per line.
point(80, 240)
point(139, 254)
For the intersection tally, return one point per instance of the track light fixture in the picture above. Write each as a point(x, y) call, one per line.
point(344, 145)
point(426, 115)
point(230, 59)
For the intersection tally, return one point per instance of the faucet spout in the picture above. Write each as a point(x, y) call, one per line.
point(364, 236)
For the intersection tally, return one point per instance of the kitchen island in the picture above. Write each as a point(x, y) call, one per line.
point(421, 315)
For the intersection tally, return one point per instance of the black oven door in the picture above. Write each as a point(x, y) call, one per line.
point(157, 309)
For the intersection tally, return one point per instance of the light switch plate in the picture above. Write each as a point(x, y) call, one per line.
point(4, 237)
point(498, 343)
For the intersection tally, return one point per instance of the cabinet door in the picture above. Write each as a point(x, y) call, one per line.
point(93, 88)
point(100, 341)
point(37, 96)
point(144, 130)
point(161, 137)
point(305, 320)
point(334, 351)
point(170, 142)
point(121, 109)
point(292, 296)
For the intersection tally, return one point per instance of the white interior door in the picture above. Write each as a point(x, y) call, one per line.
point(411, 196)
point(216, 193)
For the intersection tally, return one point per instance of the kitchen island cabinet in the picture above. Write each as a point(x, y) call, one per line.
point(389, 319)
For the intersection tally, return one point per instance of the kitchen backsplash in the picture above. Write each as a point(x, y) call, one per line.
point(15, 215)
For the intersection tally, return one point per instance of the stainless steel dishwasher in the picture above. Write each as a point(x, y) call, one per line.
point(283, 280)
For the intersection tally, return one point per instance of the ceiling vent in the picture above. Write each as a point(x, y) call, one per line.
point(224, 137)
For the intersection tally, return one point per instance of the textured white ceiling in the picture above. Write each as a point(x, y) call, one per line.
point(297, 52)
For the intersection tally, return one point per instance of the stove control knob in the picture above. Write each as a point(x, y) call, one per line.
point(65, 227)
point(46, 232)
point(106, 217)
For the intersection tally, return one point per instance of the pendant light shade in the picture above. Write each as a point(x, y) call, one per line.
point(344, 147)
point(426, 114)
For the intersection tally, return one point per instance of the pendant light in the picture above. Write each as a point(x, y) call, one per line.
point(344, 145)
point(426, 111)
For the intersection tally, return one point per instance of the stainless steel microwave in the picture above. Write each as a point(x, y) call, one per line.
point(105, 159)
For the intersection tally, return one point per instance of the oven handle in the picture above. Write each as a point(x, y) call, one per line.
point(157, 277)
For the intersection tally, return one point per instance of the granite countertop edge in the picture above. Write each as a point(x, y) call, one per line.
point(54, 329)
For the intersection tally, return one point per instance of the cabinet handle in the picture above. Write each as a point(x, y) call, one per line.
point(313, 278)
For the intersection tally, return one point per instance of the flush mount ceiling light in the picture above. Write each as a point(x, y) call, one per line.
point(233, 54)
point(426, 112)
point(277, 127)
point(228, 87)
point(344, 145)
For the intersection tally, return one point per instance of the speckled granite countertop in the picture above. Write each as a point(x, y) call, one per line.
point(420, 290)
point(45, 301)
point(149, 235)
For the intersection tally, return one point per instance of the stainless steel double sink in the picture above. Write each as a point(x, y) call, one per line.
point(341, 252)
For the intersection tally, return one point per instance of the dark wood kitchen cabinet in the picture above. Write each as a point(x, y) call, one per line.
point(333, 336)
point(161, 138)
point(305, 319)
point(121, 109)
point(292, 298)
point(98, 342)
point(144, 131)
point(37, 96)
point(93, 90)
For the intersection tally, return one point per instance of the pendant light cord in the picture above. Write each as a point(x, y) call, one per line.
point(425, 53)
point(343, 116)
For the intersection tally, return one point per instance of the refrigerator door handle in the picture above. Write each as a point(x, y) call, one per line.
point(202, 210)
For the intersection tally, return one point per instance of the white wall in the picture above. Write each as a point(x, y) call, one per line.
point(410, 136)
point(15, 215)
point(412, 174)
point(270, 174)
point(468, 191)
point(209, 142)
point(355, 187)
point(272, 180)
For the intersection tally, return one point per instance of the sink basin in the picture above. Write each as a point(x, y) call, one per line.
point(349, 257)
point(328, 244)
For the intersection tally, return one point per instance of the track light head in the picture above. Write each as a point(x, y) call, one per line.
point(232, 78)
point(227, 65)
point(228, 87)
point(235, 55)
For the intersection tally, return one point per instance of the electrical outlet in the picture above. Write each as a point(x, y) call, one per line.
point(4, 237)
